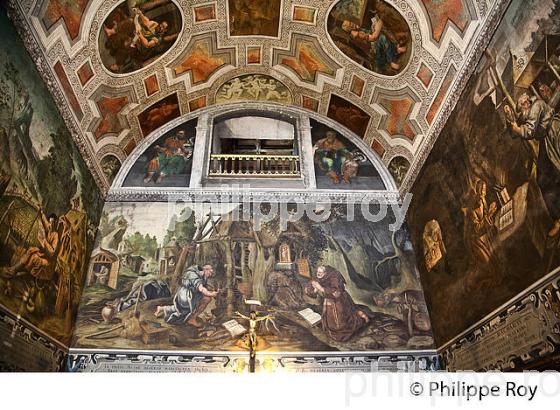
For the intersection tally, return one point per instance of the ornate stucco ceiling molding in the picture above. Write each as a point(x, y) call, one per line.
point(443, 37)
point(205, 48)
point(46, 72)
point(457, 24)
point(495, 12)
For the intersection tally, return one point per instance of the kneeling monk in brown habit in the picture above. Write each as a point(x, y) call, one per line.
point(341, 317)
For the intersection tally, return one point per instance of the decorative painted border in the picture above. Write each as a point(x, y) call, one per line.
point(257, 195)
point(43, 352)
point(214, 362)
point(537, 306)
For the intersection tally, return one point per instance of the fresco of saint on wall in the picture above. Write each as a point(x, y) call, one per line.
point(46, 233)
point(372, 33)
point(177, 280)
point(168, 162)
point(137, 33)
point(339, 164)
point(486, 207)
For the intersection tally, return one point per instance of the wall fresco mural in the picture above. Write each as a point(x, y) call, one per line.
point(486, 211)
point(254, 17)
point(175, 278)
point(168, 162)
point(46, 233)
point(339, 164)
point(372, 33)
point(137, 33)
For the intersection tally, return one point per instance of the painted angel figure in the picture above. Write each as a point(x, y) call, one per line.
point(233, 90)
point(253, 320)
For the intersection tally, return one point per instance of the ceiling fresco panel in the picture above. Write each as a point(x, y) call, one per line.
point(304, 14)
point(372, 33)
point(446, 13)
point(255, 87)
point(204, 13)
point(67, 12)
point(152, 85)
point(199, 46)
point(398, 122)
point(85, 73)
point(136, 34)
point(68, 90)
point(159, 114)
point(202, 59)
point(254, 17)
point(425, 75)
point(349, 115)
point(306, 59)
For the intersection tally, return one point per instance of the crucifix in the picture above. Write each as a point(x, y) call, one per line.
point(253, 320)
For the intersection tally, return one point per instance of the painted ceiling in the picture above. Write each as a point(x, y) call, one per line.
point(115, 87)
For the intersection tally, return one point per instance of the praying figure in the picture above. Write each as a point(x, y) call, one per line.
point(341, 317)
point(191, 298)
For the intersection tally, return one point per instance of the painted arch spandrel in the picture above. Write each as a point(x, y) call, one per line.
point(167, 162)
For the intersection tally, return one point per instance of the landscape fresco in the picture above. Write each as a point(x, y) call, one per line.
point(339, 164)
point(485, 213)
point(372, 33)
point(148, 256)
point(168, 162)
point(46, 233)
point(137, 33)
